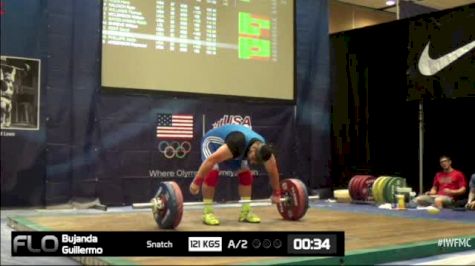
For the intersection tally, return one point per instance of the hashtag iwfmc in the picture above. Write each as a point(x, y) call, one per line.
point(454, 243)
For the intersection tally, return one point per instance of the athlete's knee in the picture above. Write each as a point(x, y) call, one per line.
point(212, 178)
point(245, 178)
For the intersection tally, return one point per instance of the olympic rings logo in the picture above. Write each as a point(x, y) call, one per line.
point(174, 149)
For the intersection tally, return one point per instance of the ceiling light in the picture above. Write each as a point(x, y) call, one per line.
point(390, 2)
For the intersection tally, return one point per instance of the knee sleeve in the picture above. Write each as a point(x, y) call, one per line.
point(245, 178)
point(212, 178)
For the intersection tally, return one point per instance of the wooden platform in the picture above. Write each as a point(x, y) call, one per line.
point(369, 238)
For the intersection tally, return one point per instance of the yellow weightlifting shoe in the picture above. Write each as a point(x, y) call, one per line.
point(249, 217)
point(210, 219)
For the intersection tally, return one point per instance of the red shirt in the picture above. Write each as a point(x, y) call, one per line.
point(451, 180)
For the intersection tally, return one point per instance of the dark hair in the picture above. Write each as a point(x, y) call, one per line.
point(264, 153)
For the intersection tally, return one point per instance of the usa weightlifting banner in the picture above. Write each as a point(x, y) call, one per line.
point(169, 244)
point(176, 155)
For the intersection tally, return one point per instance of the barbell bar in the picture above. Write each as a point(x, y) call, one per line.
point(167, 205)
point(159, 204)
point(26, 69)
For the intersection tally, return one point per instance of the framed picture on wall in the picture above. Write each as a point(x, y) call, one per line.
point(20, 93)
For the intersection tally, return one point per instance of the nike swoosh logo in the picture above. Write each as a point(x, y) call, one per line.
point(428, 66)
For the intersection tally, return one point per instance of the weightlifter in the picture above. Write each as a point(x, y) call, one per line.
point(236, 147)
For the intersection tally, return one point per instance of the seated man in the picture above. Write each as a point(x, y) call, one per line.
point(471, 196)
point(448, 185)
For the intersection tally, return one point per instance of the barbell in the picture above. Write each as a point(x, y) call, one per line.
point(26, 69)
point(167, 204)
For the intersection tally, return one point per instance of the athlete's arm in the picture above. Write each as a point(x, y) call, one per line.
point(222, 154)
point(274, 178)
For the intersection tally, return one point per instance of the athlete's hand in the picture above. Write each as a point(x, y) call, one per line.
point(276, 196)
point(196, 185)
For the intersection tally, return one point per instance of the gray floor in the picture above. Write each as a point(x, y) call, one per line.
point(462, 258)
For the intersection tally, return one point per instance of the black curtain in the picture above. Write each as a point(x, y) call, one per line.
point(374, 128)
point(377, 87)
point(447, 92)
point(448, 130)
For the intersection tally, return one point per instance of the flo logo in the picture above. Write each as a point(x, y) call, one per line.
point(23, 244)
point(233, 120)
point(174, 132)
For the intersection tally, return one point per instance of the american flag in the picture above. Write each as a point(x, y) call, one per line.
point(170, 126)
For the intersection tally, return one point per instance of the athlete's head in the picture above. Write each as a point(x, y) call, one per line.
point(259, 153)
